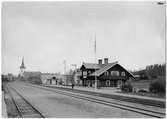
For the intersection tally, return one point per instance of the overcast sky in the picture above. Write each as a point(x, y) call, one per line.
point(47, 33)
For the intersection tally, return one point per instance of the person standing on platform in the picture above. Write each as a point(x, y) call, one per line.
point(72, 85)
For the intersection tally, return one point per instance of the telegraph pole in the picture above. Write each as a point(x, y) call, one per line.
point(95, 63)
point(75, 70)
point(64, 67)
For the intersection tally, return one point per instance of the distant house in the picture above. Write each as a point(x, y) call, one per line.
point(61, 79)
point(4, 77)
point(107, 74)
point(56, 79)
point(67, 79)
point(10, 77)
point(49, 78)
point(28, 74)
point(32, 76)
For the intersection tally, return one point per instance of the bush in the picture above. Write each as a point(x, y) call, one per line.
point(143, 91)
point(157, 86)
point(127, 87)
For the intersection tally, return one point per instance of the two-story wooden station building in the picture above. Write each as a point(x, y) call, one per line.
point(107, 74)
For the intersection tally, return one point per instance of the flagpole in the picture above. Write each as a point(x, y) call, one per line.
point(95, 63)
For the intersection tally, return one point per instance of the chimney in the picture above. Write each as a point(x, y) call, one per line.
point(105, 60)
point(100, 61)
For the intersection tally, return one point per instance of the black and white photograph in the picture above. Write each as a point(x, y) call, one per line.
point(83, 59)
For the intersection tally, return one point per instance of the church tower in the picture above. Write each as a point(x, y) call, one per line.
point(22, 67)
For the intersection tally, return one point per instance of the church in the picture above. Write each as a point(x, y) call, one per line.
point(29, 75)
point(36, 76)
point(22, 68)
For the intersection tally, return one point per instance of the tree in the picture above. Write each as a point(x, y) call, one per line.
point(152, 71)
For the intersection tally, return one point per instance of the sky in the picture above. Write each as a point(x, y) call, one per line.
point(48, 33)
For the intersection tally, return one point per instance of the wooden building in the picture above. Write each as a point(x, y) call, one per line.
point(32, 76)
point(107, 74)
point(49, 78)
point(77, 77)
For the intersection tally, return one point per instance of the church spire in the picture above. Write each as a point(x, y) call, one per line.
point(22, 64)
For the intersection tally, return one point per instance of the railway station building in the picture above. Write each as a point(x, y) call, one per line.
point(106, 74)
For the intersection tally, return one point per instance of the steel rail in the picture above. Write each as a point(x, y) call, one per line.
point(109, 103)
point(115, 97)
point(34, 110)
point(127, 105)
point(17, 107)
point(42, 116)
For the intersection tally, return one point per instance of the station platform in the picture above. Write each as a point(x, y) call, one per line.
point(114, 93)
point(4, 110)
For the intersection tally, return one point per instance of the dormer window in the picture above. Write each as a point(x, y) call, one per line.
point(123, 73)
point(114, 73)
point(106, 73)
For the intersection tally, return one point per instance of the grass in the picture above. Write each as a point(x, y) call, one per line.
point(144, 84)
point(146, 94)
point(141, 84)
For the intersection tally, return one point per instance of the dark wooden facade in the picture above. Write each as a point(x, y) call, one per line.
point(114, 76)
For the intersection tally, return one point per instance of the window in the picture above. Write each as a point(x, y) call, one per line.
point(114, 73)
point(123, 73)
point(84, 74)
point(106, 73)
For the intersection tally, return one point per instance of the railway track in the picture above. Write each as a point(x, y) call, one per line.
point(25, 109)
point(143, 111)
point(116, 97)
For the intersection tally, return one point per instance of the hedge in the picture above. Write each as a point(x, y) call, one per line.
point(127, 87)
point(157, 86)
